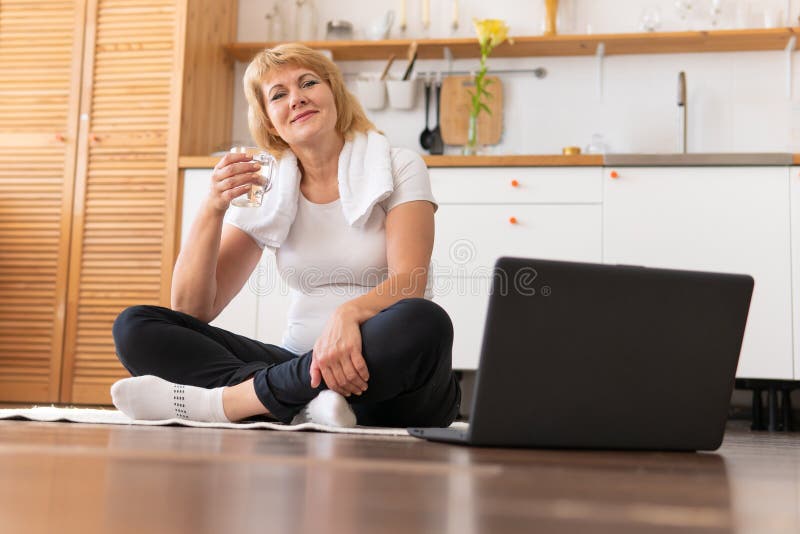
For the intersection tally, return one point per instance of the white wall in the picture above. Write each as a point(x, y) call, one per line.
point(737, 101)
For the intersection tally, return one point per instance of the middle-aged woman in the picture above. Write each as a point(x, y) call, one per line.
point(350, 221)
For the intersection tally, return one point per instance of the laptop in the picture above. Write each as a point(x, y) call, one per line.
point(584, 355)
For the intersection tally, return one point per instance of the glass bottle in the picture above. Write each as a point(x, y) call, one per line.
point(305, 21)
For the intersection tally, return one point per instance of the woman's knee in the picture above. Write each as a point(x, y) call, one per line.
point(410, 327)
point(129, 332)
point(426, 318)
point(130, 320)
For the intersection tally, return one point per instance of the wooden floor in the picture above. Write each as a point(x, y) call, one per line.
point(64, 478)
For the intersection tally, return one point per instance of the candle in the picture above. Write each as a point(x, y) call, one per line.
point(402, 15)
point(426, 13)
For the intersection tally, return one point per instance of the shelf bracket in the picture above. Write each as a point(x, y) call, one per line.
point(600, 54)
point(790, 47)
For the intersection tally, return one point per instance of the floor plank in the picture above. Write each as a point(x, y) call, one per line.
point(67, 477)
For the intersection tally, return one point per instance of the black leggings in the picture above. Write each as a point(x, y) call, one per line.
point(407, 347)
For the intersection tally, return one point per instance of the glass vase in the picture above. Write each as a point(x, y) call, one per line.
point(471, 148)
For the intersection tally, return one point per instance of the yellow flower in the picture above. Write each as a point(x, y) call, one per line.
point(490, 31)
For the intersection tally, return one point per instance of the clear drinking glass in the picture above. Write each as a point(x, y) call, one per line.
point(597, 146)
point(651, 19)
point(684, 9)
point(715, 11)
point(254, 196)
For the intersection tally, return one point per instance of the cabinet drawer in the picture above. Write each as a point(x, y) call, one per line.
point(470, 238)
point(516, 185)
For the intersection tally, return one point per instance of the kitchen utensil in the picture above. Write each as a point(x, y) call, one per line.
point(437, 144)
point(551, 17)
point(386, 68)
point(454, 115)
point(426, 137)
point(445, 19)
point(403, 19)
point(340, 30)
point(412, 58)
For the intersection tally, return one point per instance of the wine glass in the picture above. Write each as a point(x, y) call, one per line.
point(716, 12)
point(684, 9)
point(651, 19)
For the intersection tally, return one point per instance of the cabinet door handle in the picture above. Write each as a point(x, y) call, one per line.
point(94, 138)
point(514, 183)
point(614, 174)
point(512, 220)
point(60, 138)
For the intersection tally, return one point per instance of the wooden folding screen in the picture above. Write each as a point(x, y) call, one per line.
point(95, 96)
point(40, 61)
point(124, 189)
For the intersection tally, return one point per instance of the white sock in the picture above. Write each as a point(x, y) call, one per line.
point(328, 408)
point(152, 398)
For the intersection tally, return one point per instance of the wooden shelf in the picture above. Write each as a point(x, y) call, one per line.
point(560, 45)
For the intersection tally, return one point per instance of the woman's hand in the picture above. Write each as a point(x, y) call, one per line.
point(337, 356)
point(232, 177)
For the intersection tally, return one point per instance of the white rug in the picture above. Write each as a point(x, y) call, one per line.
point(115, 417)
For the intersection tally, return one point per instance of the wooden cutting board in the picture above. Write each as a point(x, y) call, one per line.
point(455, 107)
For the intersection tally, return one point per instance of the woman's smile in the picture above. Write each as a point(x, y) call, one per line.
point(302, 117)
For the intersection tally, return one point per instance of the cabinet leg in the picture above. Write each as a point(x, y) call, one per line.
point(757, 423)
point(786, 409)
point(773, 409)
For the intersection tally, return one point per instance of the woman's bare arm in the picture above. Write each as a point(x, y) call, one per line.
point(214, 262)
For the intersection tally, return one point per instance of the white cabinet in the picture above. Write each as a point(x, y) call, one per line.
point(259, 310)
point(517, 185)
point(485, 213)
point(794, 180)
point(728, 219)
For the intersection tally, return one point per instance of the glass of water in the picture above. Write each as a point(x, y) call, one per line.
point(254, 196)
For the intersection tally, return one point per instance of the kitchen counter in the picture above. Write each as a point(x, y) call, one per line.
point(701, 160)
point(187, 162)
point(555, 160)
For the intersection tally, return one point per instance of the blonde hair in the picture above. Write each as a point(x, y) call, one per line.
point(350, 116)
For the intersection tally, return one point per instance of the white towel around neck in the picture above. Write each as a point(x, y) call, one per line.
point(364, 175)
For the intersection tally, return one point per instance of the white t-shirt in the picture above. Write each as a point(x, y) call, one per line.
point(325, 262)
